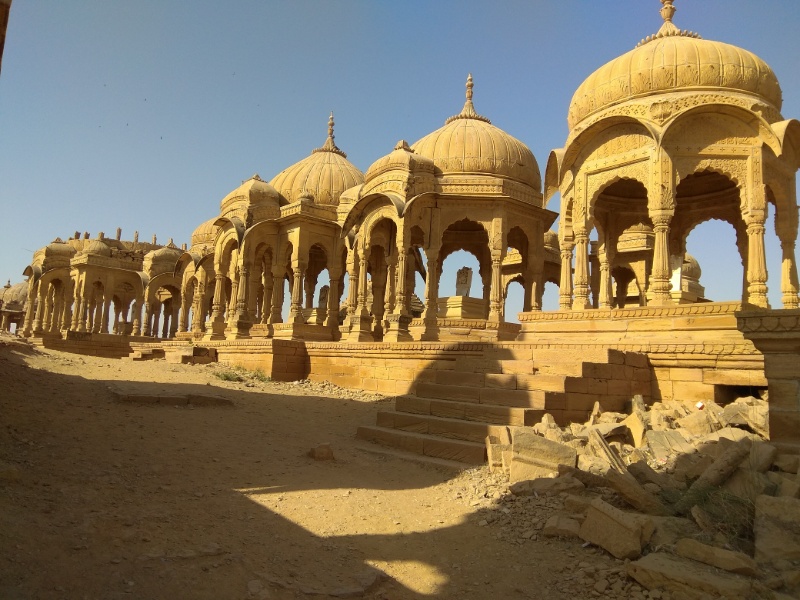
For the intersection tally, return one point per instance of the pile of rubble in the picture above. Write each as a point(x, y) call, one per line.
point(693, 498)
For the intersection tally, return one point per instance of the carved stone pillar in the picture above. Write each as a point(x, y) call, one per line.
point(581, 301)
point(41, 308)
point(216, 328)
point(50, 307)
point(361, 321)
point(183, 318)
point(565, 287)
point(66, 319)
point(606, 295)
point(398, 321)
point(173, 320)
point(332, 313)
point(789, 287)
point(660, 284)
point(756, 263)
point(155, 316)
point(431, 332)
point(146, 329)
point(266, 300)
point(241, 322)
point(136, 317)
point(496, 293)
point(106, 312)
point(277, 297)
point(296, 309)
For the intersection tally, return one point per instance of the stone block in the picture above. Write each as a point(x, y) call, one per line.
point(547, 486)
point(687, 579)
point(561, 526)
point(636, 425)
point(786, 485)
point(777, 529)
point(619, 533)
point(727, 560)
point(534, 456)
point(506, 381)
point(788, 463)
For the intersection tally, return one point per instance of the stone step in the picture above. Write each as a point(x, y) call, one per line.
point(470, 431)
point(424, 444)
point(541, 381)
point(469, 411)
point(531, 398)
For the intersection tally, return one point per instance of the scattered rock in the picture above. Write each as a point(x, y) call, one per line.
point(777, 529)
point(621, 534)
point(727, 560)
point(533, 456)
point(321, 452)
point(561, 526)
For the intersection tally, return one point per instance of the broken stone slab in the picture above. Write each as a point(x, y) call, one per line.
point(787, 485)
point(494, 452)
point(634, 494)
point(604, 429)
point(533, 456)
point(750, 412)
point(788, 463)
point(727, 560)
point(668, 530)
point(592, 464)
point(777, 529)
point(586, 478)
point(621, 534)
point(646, 474)
point(761, 457)
point(637, 428)
point(748, 484)
point(667, 444)
point(576, 505)
point(602, 450)
point(561, 526)
point(715, 475)
point(687, 579)
point(698, 423)
point(547, 486)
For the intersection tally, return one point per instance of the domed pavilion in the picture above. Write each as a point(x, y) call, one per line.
point(678, 131)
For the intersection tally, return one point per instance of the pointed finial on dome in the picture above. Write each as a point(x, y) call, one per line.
point(668, 29)
point(468, 112)
point(330, 145)
point(667, 10)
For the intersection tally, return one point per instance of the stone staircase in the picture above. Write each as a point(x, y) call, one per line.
point(450, 416)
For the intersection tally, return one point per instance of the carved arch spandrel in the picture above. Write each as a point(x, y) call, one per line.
point(597, 182)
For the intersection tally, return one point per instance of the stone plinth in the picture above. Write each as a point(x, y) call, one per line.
point(461, 307)
point(776, 333)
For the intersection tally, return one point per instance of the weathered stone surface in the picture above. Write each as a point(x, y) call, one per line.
point(777, 529)
point(727, 560)
point(667, 444)
point(637, 427)
point(748, 484)
point(687, 579)
point(788, 463)
point(561, 526)
point(698, 423)
point(321, 452)
point(716, 474)
point(750, 412)
point(533, 456)
point(669, 530)
point(634, 494)
point(550, 486)
point(621, 534)
point(645, 474)
point(788, 485)
point(761, 457)
point(602, 450)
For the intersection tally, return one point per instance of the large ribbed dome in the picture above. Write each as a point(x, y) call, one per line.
point(674, 61)
point(254, 191)
point(469, 144)
point(324, 175)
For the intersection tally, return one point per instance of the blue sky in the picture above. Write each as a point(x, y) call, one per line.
point(143, 115)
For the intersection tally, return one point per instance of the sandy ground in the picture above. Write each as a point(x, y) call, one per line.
point(107, 499)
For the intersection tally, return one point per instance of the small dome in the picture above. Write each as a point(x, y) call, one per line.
point(401, 158)
point(253, 192)
point(671, 61)
point(551, 240)
point(97, 248)
point(14, 296)
point(59, 248)
point(324, 175)
point(691, 268)
point(168, 253)
point(205, 233)
point(469, 144)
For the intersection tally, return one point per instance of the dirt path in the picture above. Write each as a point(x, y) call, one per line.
point(107, 499)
